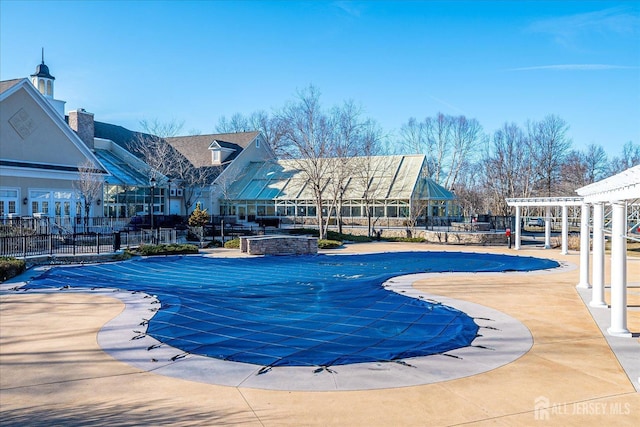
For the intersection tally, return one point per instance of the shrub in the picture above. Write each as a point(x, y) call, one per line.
point(332, 235)
point(192, 237)
point(304, 231)
point(232, 244)
point(199, 217)
point(328, 244)
point(125, 255)
point(170, 249)
point(405, 239)
point(11, 267)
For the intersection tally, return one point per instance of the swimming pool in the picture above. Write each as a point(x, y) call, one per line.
point(322, 310)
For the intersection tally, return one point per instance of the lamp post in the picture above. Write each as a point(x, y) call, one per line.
point(169, 196)
point(153, 191)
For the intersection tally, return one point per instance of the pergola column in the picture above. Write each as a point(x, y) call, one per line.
point(584, 247)
point(619, 271)
point(517, 225)
point(565, 230)
point(547, 228)
point(597, 279)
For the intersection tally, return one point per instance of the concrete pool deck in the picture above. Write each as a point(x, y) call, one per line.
point(52, 370)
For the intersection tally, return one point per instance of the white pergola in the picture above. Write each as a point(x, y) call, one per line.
point(548, 203)
point(618, 191)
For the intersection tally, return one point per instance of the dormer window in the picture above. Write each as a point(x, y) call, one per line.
point(215, 157)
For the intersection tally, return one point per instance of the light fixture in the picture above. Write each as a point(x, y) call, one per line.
point(25, 201)
point(98, 202)
point(153, 182)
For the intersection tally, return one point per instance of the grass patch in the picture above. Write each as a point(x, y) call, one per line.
point(124, 255)
point(331, 235)
point(170, 249)
point(405, 239)
point(232, 244)
point(329, 244)
point(11, 267)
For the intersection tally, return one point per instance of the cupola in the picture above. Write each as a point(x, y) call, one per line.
point(42, 79)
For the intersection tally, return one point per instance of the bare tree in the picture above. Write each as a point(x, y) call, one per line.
point(471, 194)
point(575, 172)
point(166, 161)
point(448, 142)
point(310, 133)
point(549, 148)
point(508, 169)
point(413, 137)
point(269, 125)
point(89, 186)
point(365, 179)
point(237, 123)
point(596, 162)
point(466, 137)
point(629, 157)
point(438, 132)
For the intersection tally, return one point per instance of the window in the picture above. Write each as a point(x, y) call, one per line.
point(8, 201)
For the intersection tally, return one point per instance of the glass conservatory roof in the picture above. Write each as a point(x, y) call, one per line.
point(378, 177)
point(122, 172)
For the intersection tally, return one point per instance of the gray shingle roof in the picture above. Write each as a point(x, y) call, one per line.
point(118, 134)
point(196, 148)
point(8, 84)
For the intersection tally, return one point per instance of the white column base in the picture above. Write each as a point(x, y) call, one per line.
point(583, 285)
point(622, 333)
point(598, 304)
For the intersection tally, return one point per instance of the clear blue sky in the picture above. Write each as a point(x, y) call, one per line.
point(196, 61)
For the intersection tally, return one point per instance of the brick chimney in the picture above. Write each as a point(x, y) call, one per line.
point(82, 123)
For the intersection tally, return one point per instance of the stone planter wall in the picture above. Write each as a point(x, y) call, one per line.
point(279, 245)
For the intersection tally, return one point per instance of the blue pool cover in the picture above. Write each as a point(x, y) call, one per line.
point(318, 310)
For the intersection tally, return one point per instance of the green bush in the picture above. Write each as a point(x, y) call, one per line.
point(125, 255)
point(232, 244)
point(328, 244)
point(199, 217)
point(303, 231)
point(405, 239)
point(331, 235)
point(11, 267)
point(170, 249)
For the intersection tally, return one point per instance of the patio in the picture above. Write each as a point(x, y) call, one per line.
point(52, 370)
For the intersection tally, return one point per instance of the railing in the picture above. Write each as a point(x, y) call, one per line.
point(22, 246)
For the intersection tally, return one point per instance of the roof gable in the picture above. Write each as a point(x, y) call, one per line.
point(387, 177)
point(197, 148)
point(35, 135)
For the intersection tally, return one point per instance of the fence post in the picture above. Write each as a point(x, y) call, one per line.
point(98, 243)
point(50, 244)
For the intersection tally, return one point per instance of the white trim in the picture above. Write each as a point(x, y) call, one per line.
point(36, 173)
point(623, 186)
point(545, 201)
point(53, 115)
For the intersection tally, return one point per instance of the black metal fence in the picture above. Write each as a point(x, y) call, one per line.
point(25, 245)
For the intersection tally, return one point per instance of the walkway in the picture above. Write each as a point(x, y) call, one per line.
point(53, 372)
